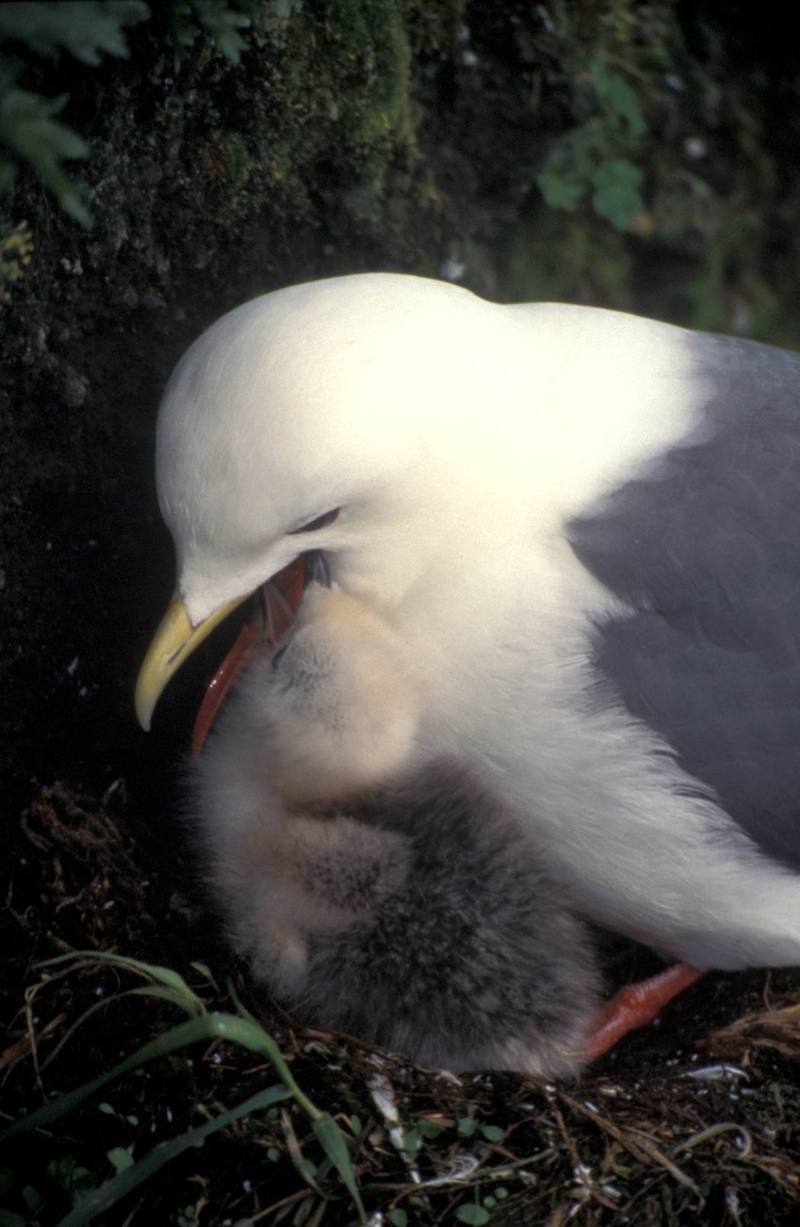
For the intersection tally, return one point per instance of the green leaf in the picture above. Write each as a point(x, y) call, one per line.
point(27, 127)
point(242, 1031)
point(175, 996)
point(467, 1126)
point(303, 1211)
point(220, 24)
point(567, 170)
point(104, 1003)
point(206, 972)
point(85, 28)
point(492, 1133)
point(618, 97)
point(196, 1029)
point(209, 1026)
point(560, 191)
point(412, 1142)
point(616, 193)
point(74, 1179)
point(109, 1193)
point(303, 1166)
point(184, 996)
point(398, 1217)
point(120, 1158)
point(476, 1215)
point(331, 1139)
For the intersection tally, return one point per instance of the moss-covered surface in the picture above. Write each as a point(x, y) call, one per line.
point(363, 134)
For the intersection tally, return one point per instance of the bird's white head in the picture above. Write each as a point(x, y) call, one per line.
point(353, 415)
point(348, 415)
point(343, 396)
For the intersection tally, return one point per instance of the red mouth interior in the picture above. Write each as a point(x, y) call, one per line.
point(282, 596)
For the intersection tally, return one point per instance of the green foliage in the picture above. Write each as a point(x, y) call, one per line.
point(201, 1025)
point(221, 24)
point(596, 158)
point(84, 29)
point(72, 1177)
point(616, 192)
point(101, 1198)
point(30, 131)
point(473, 1214)
point(28, 128)
point(664, 176)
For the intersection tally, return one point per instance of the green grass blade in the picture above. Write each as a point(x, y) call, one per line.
point(305, 1169)
point(153, 971)
point(152, 990)
point(241, 1008)
point(206, 972)
point(108, 1194)
point(242, 1031)
point(251, 1035)
point(207, 1027)
point(331, 1139)
point(175, 996)
point(87, 1013)
point(178, 1037)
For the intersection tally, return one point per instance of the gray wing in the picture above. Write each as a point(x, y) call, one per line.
point(706, 548)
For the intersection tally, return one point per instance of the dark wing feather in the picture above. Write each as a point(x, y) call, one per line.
point(706, 548)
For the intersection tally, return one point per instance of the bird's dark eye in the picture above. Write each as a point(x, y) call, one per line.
point(322, 521)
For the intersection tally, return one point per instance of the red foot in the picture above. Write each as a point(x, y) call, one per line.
point(637, 1005)
point(282, 595)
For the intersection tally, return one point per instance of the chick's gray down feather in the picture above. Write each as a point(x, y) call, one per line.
point(414, 911)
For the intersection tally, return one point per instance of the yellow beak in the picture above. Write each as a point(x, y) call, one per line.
point(173, 643)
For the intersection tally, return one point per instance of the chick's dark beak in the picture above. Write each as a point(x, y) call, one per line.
point(278, 600)
point(317, 569)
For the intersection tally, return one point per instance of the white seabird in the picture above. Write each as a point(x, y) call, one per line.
point(400, 904)
point(586, 524)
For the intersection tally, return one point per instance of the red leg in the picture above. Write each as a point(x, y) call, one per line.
point(636, 1005)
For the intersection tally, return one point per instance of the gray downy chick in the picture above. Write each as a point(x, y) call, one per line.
point(372, 892)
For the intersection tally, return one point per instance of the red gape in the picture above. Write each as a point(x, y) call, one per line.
point(632, 1007)
point(282, 595)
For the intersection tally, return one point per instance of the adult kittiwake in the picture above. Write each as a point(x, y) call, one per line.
point(588, 526)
